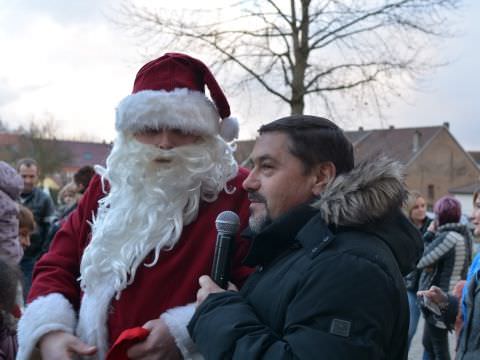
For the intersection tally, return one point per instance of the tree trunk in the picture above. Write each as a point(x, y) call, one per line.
point(297, 106)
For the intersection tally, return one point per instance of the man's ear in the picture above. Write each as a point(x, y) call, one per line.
point(323, 174)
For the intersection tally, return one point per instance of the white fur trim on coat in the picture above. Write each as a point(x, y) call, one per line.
point(365, 194)
point(43, 315)
point(182, 109)
point(177, 320)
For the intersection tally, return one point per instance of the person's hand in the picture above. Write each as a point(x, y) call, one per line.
point(208, 286)
point(159, 344)
point(60, 345)
point(432, 227)
point(435, 294)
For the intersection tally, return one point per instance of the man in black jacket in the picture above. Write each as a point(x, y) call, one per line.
point(42, 207)
point(330, 245)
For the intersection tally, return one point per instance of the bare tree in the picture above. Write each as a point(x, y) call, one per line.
point(3, 125)
point(38, 140)
point(320, 50)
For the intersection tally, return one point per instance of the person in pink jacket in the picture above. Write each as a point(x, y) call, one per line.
point(11, 185)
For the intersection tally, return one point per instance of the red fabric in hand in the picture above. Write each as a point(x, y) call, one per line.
point(126, 339)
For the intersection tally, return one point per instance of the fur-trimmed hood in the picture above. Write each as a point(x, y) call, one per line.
point(368, 192)
point(370, 197)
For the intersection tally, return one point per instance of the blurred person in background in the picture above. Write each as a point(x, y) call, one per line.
point(11, 185)
point(68, 197)
point(9, 279)
point(26, 226)
point(82, 178)
point(468, 345)
point(473, 219)
point(445, 262)
point(416, 210)
point(42, 208)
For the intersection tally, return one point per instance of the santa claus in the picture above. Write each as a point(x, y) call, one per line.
point(144, 232)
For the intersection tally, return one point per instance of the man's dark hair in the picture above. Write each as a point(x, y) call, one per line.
point(83, 176)
point(28, 162)
point(315, 140)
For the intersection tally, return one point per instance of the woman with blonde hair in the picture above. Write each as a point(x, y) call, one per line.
point(416, 210)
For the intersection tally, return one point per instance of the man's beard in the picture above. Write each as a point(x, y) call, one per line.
point(153, 194)
point(257, 222)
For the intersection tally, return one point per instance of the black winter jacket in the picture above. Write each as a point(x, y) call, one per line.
point(412, 279)
point(42, 208)
point(320, 291)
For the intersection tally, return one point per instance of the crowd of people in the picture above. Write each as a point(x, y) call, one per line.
point(28, 221)
point(335, 260)
point(442, 270)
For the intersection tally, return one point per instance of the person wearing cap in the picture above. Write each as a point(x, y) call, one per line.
point(330, 244)
point(11, 185)
point(135, 261)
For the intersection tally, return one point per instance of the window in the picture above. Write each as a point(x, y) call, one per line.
point(430, 196)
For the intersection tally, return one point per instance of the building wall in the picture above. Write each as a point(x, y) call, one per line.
point(441, 166)
point(466, 201)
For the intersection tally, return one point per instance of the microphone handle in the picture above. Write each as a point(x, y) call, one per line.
point(221, 260)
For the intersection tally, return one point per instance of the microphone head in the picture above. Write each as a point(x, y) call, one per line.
point(227, 222)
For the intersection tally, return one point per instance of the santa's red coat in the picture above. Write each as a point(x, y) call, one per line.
point(172, 282)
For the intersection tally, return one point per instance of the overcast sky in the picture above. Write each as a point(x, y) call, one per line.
point(66, 60)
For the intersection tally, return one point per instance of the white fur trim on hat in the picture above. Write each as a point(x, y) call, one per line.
point(184, 109)
point(177, 320)
point(229, 128)
point(43, 315)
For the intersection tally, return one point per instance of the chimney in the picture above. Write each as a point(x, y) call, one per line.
point(416, 141)
point(391, 127)
point(360, 128)
point(447, 125)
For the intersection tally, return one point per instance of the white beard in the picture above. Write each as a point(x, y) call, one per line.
point(148, 204)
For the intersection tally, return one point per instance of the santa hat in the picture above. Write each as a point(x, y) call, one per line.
point(169, 92)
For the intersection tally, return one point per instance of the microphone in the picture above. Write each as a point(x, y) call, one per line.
point(227, 224)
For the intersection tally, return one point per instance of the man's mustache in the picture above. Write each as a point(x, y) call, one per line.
point(256, 197)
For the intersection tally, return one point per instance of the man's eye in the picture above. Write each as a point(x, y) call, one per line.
point(148, 131)
point(177, 131)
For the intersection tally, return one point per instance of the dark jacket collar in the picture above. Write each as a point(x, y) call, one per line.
point(278, 236)
point(25, 197)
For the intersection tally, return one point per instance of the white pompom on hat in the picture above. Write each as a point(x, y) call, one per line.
point(169, 92)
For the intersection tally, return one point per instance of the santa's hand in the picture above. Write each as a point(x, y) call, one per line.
point(60, 345)
point(208, 286)
point(158, 345)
